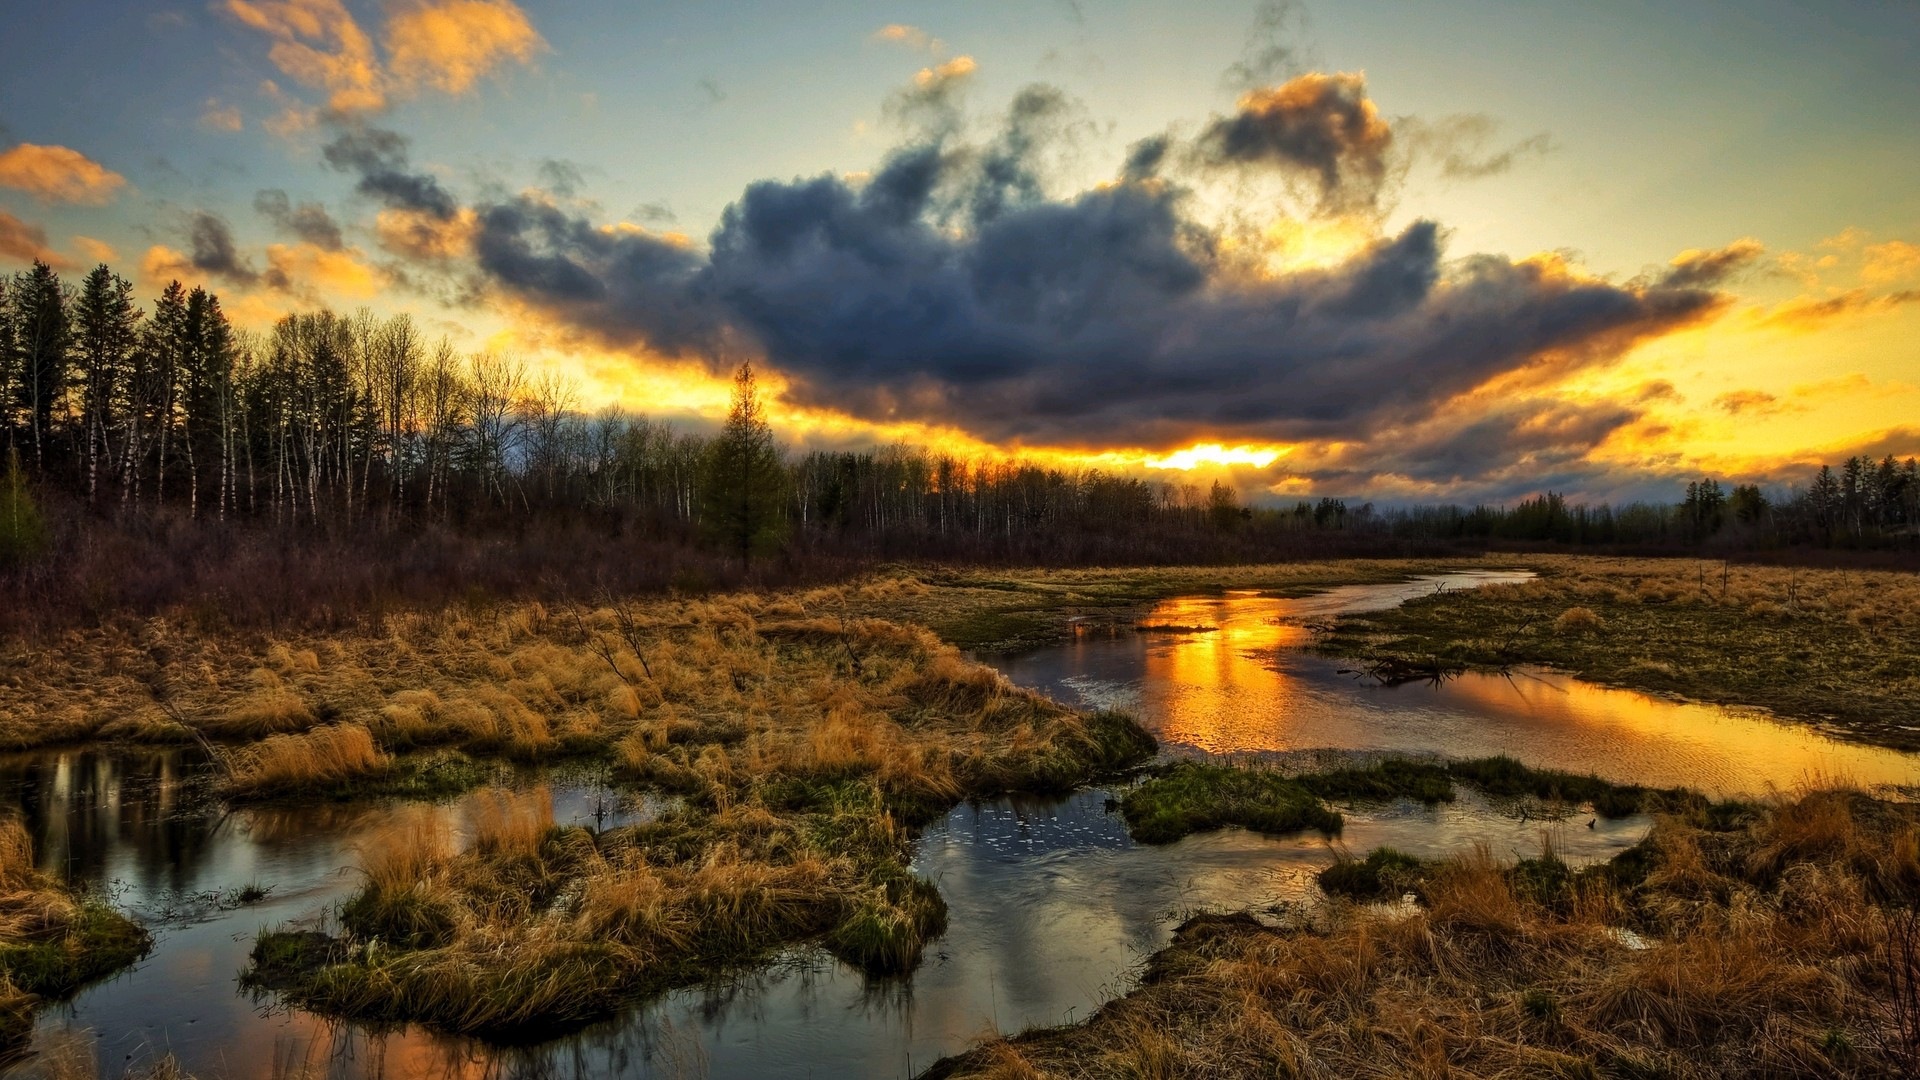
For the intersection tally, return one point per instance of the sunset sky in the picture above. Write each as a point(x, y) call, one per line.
point(1409, 252)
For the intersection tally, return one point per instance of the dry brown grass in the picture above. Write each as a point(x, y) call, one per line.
point(805, 747)
point(1763, 955)
point(322, 758)
point(523, 680)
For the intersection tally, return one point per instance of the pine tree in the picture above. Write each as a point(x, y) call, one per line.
point(743, 481)
point(42, 336)
point(106, 333)
point(206, 360)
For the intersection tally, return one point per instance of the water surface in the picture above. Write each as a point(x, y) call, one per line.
point(1247, 687)
point(1052, 908)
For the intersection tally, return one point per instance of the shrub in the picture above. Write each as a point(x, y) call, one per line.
point(1578, 620)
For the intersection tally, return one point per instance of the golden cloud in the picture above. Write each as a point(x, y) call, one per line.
point(317, 43)
point(940, 74)
point(162, 264)
point(24, 243)
point(910, 36)
point(1891, 262)
point(313, 270)
point(420, 235)
point(1806, 313)
point(58, 174)
point(1736, 402)
point(98, 251)
point(450, 46)
point(447, 45)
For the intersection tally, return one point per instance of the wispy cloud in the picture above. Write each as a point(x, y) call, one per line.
point(215, 116)
point(911, 37)
point(25, 243)
point(58, 174)
point(444, 45)
point(453, 44)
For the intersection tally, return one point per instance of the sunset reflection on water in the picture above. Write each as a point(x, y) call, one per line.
point(1247, 686)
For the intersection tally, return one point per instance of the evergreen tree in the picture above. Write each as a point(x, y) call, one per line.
point(42, 335)
point(1223, 506)
point(151, 418)
point(1748, 504)
point(206, 363)
point(1824, 500)
point(9, 366)
point(744, 481)
point(106, 334)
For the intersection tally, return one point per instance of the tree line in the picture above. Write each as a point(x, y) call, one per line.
point(333, 422)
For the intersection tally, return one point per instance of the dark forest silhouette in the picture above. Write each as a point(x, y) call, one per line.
point(340, 463)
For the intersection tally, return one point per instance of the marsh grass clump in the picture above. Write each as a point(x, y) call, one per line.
point(1754, 949)
point(806, 751)
point(1504, 776)
point(1578, 620)
point(321, 759)
point(52, 941)
point(1385, 874)
point(1189, 796)
point(888, 929)
point(1390, 778)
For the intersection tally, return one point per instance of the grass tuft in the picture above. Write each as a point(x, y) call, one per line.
point(1188, 797)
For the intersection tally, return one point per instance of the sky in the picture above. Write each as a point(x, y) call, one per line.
point(1399, 251)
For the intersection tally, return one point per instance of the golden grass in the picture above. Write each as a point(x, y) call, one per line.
point(322, 758)
point(1762, 954)
point(524, 680)
point(806, 748)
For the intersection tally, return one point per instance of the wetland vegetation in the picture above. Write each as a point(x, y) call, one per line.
point(1776, 941)
point(1835, 647)
point(797, 740)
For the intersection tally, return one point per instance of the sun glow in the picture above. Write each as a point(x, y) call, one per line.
point(1195, 456)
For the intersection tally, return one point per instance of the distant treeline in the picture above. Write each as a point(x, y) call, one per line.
point(160, 454)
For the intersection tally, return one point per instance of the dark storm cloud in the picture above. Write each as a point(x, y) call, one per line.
point(562, 177)
point(1549, 440)
point(1009, 170)
point(1064, 321)
point(1321, 125)
point(1145, 157)
point(628, 286)
point(308, 221)
point(212, 250)
point(952, 287)
point(1465, 146)
point(1705, 269)
point(380, 158)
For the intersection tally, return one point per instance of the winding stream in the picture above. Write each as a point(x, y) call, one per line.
point(1051, 906)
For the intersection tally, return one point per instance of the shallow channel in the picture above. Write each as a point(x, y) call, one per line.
point(1051, 906)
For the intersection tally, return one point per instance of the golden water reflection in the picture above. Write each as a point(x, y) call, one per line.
point(1248, 686)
